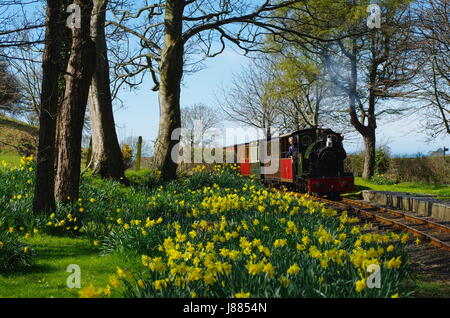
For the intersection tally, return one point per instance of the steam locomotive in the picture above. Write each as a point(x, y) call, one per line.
point(319, 168)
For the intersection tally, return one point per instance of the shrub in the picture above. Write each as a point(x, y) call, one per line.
point(13, 253)
point(355, 163)
point(434, 170)
point(382, 180)
point(381, 161)
point(127, 155)
point(420, 169)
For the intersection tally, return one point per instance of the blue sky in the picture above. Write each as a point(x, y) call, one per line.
point(140, 115)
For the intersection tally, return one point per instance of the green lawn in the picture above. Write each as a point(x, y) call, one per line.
point(12, 159)
point(442, 191)
point(47, 277)
point(426, 289)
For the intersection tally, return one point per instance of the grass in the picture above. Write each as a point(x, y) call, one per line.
point(141, 220)
point(426, 287)
point(441, 191)
point(17, 136)
point(53, 254)
point(46, 278)
point(12, 159)
point(19, 125)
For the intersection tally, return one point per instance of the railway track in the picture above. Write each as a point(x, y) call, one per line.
point(435, 233)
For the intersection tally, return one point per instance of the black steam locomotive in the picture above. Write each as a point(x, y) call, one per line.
point(318, 170)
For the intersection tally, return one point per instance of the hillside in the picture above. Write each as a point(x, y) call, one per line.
point(17, 137)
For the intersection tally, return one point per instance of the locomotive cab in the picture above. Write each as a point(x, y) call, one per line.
point(321, 163)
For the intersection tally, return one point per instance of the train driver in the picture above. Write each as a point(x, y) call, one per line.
point(293, 153)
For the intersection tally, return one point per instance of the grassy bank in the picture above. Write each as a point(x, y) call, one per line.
point(10, 158)
point(441, 191)
point(17, 137)
point(47, 277)
point(213, 234)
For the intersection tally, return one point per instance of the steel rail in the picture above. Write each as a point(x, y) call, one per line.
point(416, 219)
point(345, 203)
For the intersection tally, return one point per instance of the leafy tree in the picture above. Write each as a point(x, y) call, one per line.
point(169, 30)
point(433, 84)
point(366, 65)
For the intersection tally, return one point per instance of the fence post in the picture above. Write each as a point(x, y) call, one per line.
point(138, 154)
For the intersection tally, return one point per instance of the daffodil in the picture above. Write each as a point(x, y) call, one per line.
point(107, 291)
point(242, 295)
point(90, 292)
point(394, 263)
point(114, 281)
point(160, 284)
point(284, 281)
point(269, 270)
point(280, 243)
point(120, 272)
point(360, 285)
point(293, 269)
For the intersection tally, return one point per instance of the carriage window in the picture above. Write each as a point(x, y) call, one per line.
point(284, 146)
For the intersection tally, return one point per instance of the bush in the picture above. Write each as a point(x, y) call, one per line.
point(420, 169)
point(127, 155)
point(435, 170)
point(355, 163)
point(13, 253)
point(381, 161)
point(382, 180)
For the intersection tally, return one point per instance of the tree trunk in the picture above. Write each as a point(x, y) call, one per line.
point(367, 131)
point(70, 124)
point(44, 200)
point(66, 44)
point(369, 156)
point(106, 158)
point(171, 73)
